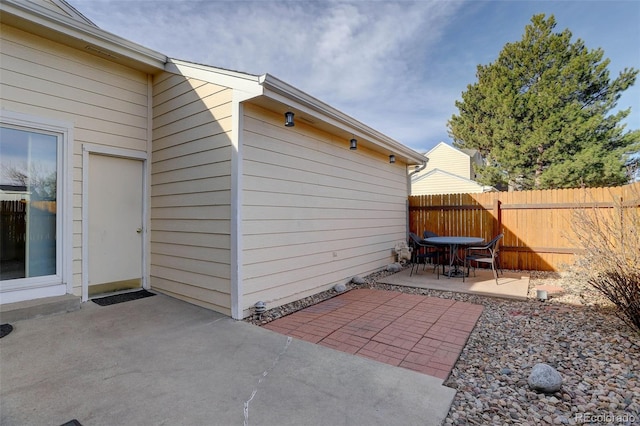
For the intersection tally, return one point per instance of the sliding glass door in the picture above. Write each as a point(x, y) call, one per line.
point(29, 209)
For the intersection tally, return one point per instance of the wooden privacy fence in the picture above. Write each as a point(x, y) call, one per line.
point(16, 234)
point(13, 227)
point(537, 224)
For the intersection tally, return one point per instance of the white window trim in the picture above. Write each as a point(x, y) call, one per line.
point(120, 153)
point(62, 283)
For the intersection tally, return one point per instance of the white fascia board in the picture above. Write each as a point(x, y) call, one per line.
point(276, 89)
point(426, 154)
point(450, 147)
point(79, 34)
point(242, 82)
point(420, 176)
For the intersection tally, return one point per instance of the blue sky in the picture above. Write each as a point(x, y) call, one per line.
point(397, 66)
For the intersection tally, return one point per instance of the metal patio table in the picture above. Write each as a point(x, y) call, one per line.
point(454, 244)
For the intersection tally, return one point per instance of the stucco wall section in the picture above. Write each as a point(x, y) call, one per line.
point(106, 102)
point(190, 191)
point(314, 212)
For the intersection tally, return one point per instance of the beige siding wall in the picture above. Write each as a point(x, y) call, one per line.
point(440, 183)
point(106, 102)
point(190, 191)
point(450, 160)
point(314, 212)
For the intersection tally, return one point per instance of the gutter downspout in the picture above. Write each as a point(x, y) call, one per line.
point(417, 170)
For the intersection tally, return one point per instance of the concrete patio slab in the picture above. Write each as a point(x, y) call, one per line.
point(420, 333)
point(10, 312)
point(163, 361)
point(510, 285)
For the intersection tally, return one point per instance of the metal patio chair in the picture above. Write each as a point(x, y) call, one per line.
point(442, 250)
point(421, 252)
point(487, 254)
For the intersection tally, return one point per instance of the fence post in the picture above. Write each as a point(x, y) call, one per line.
point(497, 217)
point(621, 200)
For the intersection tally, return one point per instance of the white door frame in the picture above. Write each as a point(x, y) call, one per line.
point(88, 149)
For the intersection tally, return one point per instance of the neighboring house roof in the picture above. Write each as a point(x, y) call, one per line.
point(453, 180)
point(449, 170)
point(418, 178)
point(469, 152)
point(442, 145)
point(473, 154)
point(445, 157)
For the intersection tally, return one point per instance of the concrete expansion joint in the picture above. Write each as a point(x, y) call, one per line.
point(264, 375)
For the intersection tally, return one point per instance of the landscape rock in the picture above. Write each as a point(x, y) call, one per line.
point(394, 267)
point(358, 280)
point(545, 378)
point(340, 288)
point(507, 337)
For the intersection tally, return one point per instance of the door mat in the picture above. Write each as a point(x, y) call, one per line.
point(124, 297)
point(73, 422)
point(5, 329)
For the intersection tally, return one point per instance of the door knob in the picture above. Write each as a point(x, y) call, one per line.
point(139, 230)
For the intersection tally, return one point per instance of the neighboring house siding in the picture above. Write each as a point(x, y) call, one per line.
point(448, 171)
point(106, 102)
point(449, 159)
point(190, 191)
point(443, 183)
point(314, 212)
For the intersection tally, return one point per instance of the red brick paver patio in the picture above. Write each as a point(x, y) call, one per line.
point(424, 334)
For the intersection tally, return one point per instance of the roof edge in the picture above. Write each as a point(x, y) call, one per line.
point(417, 178)
point(64, 5)
point(79, 34)
point(448, 146)
point(276, 89)
point(245, 85)
point(232, 79)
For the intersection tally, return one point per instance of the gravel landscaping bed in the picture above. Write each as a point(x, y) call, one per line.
point(575, 331)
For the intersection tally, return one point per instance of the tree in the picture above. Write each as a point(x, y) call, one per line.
point(40, 181)
point(540, 114)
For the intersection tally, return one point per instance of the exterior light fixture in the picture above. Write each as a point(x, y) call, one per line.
point(392, 158)
point(353, 144)
point(288, 119)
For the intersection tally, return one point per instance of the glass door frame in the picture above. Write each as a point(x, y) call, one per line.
point(19, 289)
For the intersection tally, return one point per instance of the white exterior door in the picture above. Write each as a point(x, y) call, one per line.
point(115, 223)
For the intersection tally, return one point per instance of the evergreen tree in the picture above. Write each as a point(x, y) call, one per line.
point(539, 114)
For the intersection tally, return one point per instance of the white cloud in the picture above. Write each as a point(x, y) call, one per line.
point(366, 58)
point(397, 66)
